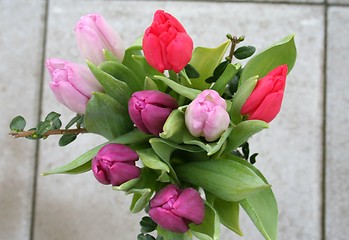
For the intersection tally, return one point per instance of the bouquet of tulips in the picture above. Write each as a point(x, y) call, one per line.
point(177, 121)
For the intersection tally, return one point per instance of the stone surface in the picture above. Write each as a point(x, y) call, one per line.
point(21, 42)
point(337, 128)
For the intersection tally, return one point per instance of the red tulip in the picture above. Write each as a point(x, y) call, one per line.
point(264, 103)
point(166, 44)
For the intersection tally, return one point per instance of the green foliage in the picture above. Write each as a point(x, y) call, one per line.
point(244, 52)
point(225, 77)
point(17, 124)
point(147, 225)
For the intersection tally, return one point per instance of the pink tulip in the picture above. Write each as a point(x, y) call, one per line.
point(264, 103)
point(93, 34)
point(166, 44)
point(72, 84)
point(173, 209)
point(206, 115)
point(115, 164)
point(149, 110)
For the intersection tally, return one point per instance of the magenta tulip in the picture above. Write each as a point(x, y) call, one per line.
point(264, 103)
point(166, 44)
point(115, 164)
point(93, 34)
point(149, 110)
point(173, 209)
point(72, 84)
point(206, 115)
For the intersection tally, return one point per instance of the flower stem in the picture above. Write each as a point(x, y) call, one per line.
point(48, 133)
point(234, 41)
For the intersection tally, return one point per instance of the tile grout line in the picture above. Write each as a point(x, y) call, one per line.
point(37, 146)
point(324, 126)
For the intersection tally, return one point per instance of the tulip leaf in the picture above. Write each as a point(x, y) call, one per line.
point(123, 73)
point(83, 162)
point(174, 127)
point(127, 186)
point(209, 229)
point(149, 84)
point(140, 199)
point(281, 52)
point(226, 179)
point(168, 235)
point(228, 74)
point(228, 213)
point(261, 207)
point(205, 60)
point(151, 160)
point(244, 52)
point(242, 132)
point(187, 92)
point(240, 97)
point(112, 86)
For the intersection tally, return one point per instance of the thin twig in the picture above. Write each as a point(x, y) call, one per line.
point(48, 133)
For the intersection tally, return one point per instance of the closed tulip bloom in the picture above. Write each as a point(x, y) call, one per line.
point(166, 44)
point(93, 34)
point(173, 209)
point(264, 103)
point(72, 84)
point(206, 115)
point(149, 110)
point(115, 164)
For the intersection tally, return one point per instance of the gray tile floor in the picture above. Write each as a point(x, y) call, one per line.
point(303, 154)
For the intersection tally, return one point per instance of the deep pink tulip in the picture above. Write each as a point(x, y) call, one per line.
point(166, 44)
point(206, 115)
point(115, 164)
point(264, 103)
point(93, 34)
point(173, 209)
point(72, 84)
point(149, 110)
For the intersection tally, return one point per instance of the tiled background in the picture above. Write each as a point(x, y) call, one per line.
point(303, 154)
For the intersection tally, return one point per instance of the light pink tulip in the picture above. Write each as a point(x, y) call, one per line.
point(115, 164)
point(206, 115)
point(72, 84)
point(264, 103)
point(173, 209)
point(93, 34)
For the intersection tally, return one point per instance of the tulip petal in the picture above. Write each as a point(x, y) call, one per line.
point(99, 173)
point(167, 193)
point(269, 108)
point(190, 206)
point(135, 114)
point(120, 152)
point(154, 118)
point(179, 51)
point(217, 122)
point(152, 50)
point(168, 220)
point(122, 172)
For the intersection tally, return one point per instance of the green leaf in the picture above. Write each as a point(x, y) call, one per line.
point(74, 120)
point(191, 71)
point(244, 52)
point(187, 92)
point(112, 86)
point(261, 207)
point(147, 225)
point(168, 235)
point(205, 60)
point(242, 132)
point(228, 213)
point(66, 139)
point(149, 84)
point(18, 124)
point(140, 199)
point(228, 74)
point(174, 127)
point(106, 117)
point(123, 73)
point(281, 52)
point(83, 162)
point(109, 56)
point(151, 160)
point(228, 180)
point(209, 229)
point(240, 97)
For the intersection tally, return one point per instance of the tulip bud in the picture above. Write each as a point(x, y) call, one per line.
point(72, 84)
point(93, 34)
point(149, 110)
point(166, 44)
point(206, 115)
point(264, 103)
point(115, 164)
point(173, 209)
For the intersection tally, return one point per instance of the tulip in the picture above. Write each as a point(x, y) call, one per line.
point(115, 164)
point(93, 34)
point(72, 84)
point(173, 209)
point(149, 110)
point(264, 103)
point(206, 115)
point(166, 44)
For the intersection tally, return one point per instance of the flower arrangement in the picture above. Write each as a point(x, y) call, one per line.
point(177, 122)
